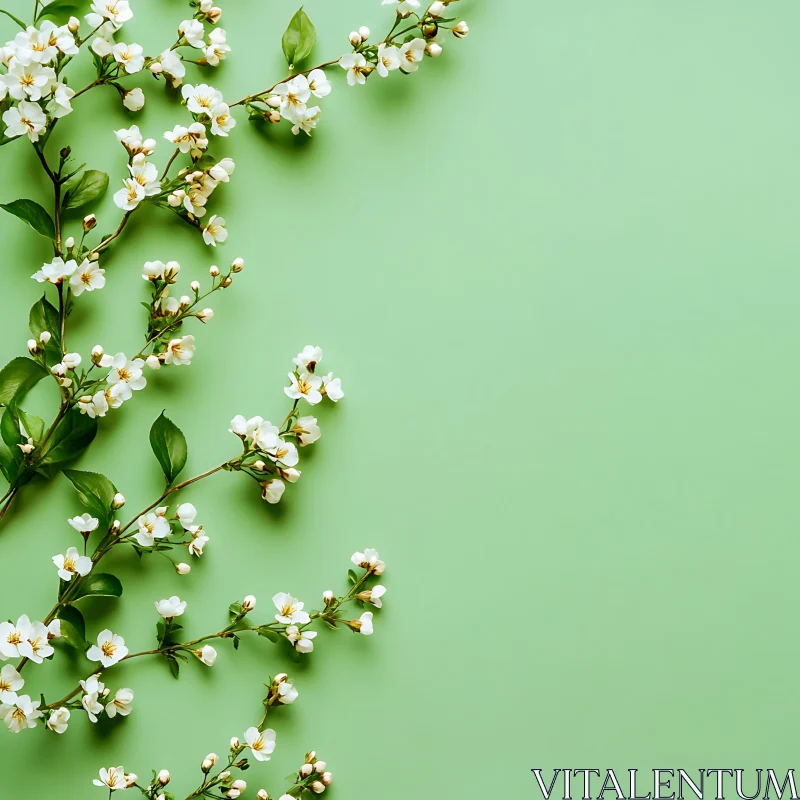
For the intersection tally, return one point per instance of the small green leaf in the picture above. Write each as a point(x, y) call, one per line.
point(100, 585)
point(95, 491)
point(72, 636)
point(74, 617)
point(19, 376)
point(44, 317)
point(61, 10)
point(268, 633)
point(351, 576)
point(299, 38)
point(71, 437)
point(169, 446)
point(88, 186)
point(9, 427)
point(34, 426)
point(174, 666)
point(32, 213)
point(11, 16)
point(234, 610)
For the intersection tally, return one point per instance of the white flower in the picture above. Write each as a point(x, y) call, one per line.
point(93, 690)
point(85, 523)
point(286, 453)
point(186, 513)
point(54, 629)
point(307, 121)
point(302, 640)
point(145, 174)
point(194, 32)
point(113, 778)
point(131, 56)
point(131, 140)
point(20, 714)
point(375, 595)
point(272, 491)
point(10, 683)
point(87, 277)
point(173, 607)
point(287, 694)
point(388, 59)
point(126, 376)
point(215, 231)
point(332, 387)
point(199, 540)
point(218, 47)
point(109, 650)
point(151, 527)
point(318, 83)
point(115, 11)
point(365, 623)
point(262, 743)
point(306, 430)
point(208, 655)
point(202, 98)
point(173, 66)
point(222, 171)
point(60, 105)
point(25, 118)
point(12, 637)
point(59, 720)
point(72, 563)
point(262, 433)
point(403, 7)
point(31, 81)
point(460, 30)
point(101, 45)
point(356, 66)
point(131, 194)
point(180, 351)
point(369, 560)
point(308, 358)
point(36, 646)
point(221, 120)
point(411, 53)
point(304, 386)
point(71, 360)
point(56, 271)
point(121, 704)
point(133, 100)
point(293, 95)
point(95, 405)
point(290, 610)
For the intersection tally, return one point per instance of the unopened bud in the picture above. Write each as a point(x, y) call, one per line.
point(185, 300)
point(213, 270)
point(249, 603)
point(280, 677)
point(237, 265)
point(89, 222)
point(259, 465)
point(364, 33)
point(240, 785)
point(130, 779)
point(327, 597)
point(433, 49)
point(355, 38)
point(306, 770)
point(116, 525)
point(460, 30)
point(319, 766)
point(69, 243)
point(273, 117)
point(263, 794)
point(327, 778)
point(195, 286)
point(156, 67)
point(118, 501)
point(73, 24)
point(33, 346)
point(235, 743)
point(163, 777)
point(436, 9)
point(94, 256)
point(318, 787)
point(227, 282)
point(205, 315)
point(273, 101)
point(311, 756)
point(45, 336)
point(182, 569)
point(153, 362)
point(223, 776)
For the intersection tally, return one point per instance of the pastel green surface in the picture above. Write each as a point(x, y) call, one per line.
point(557, 272)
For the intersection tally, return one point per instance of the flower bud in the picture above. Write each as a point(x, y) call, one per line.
point(69, 243)
point(319, 766)
point(436, 9)
point(273, 101)
point(130, 779)
point(306, 770)
point(232, 793)
point(227, 282)
point(116, 525)
point(327, 597)
point(118, 501)
point(263, 794)
point(460, 30)
point(195, 286)
point(364, 33)
point(291, 474)
point(237, 265)
point(318, 787)
point(311, 756)
point(33, 346)
point(89, 222)
point(327, 778)
point(355, 38)
point(174, 199)
point(249, 603)
point(73, 24)
point(45, 336)
point(171, 270)
point(240, 785)
point(163, 777)
point(156, 67)
point(259, 465)
point(153, 362)
point(213, 270)
point(433, 49)
point(148, 146)
point(280, 677)
point(182, 569)
point(94, 256)
point(223, 776)
point(205, 315)
point(273, 117)
point(235, 743)
point(185, 300)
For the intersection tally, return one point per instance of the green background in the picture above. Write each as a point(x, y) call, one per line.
point(557, 272)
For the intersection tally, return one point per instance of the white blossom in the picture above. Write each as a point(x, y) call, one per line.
point(56, 271)
point(27, 118)
point(318, 83)
point(20, 714)
point(194, 32)
point(121, 704)
point(285, 452)
point(375, 595)
point(29, 81)
point(93, 691)
point(364, 623)
point(134, 99)
point(131, 56)
point(273, 490)
point(109, 650)
point(332, 387)
point(85, 523)
point(261, 743)
point(221, 120)
point(403, 7)
point(308, 358)
point(293, 95)
point(145, 174)
point(218, 47)
point(115, 11)
point(72, 563)
point(369, 560)
point(388, 59)
point(307, 120)
point(59, 720)
point(112, 778)
point(151, 526)
point(95, 405)
point(172, 66)
point(306, 430)
point(411, 54)
point(287, 694)
point(60, 104)
point(215, 231)
point(10, 683)
point(356, 66)
point(302, 640)
point(186, 514)
point(180, 351)
point(173, 607)
point(87, 277)
point(131, 194)
point(13, 637)
point(126, 375)
point(304, 386)
point(201, 99)
point(208, 655)
point(290, 610)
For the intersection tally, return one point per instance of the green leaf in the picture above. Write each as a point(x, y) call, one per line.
point(61, 10)
point(351, 576)
point(100, 585)
point(268, 633)
point(84, 188)
point(19, 376)
point(95, 491)
point(44, 317)
point(32, 213)
point(174, 666)
point(71, 615)
point(72, 636)
point(9, 462)
point(169, 446)
point(9, 427)
point(11, 16)
point(33, 425)
point(71, 437)
point(299, 38)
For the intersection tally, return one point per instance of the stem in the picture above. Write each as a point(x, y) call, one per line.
point(288, 78)
point(107, 241)
point(9, 498)
point(169, 164)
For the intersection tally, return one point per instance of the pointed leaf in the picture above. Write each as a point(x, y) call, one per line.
point(71, 437)
point(31, 212)
point(95, 491)
point(169, 446)
point(100, 585)
point(74, 617)
point(299, 38)
point(11, 16)
point(61, 10)
point(19, 376)
point(268, 633)
point(84, 188)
